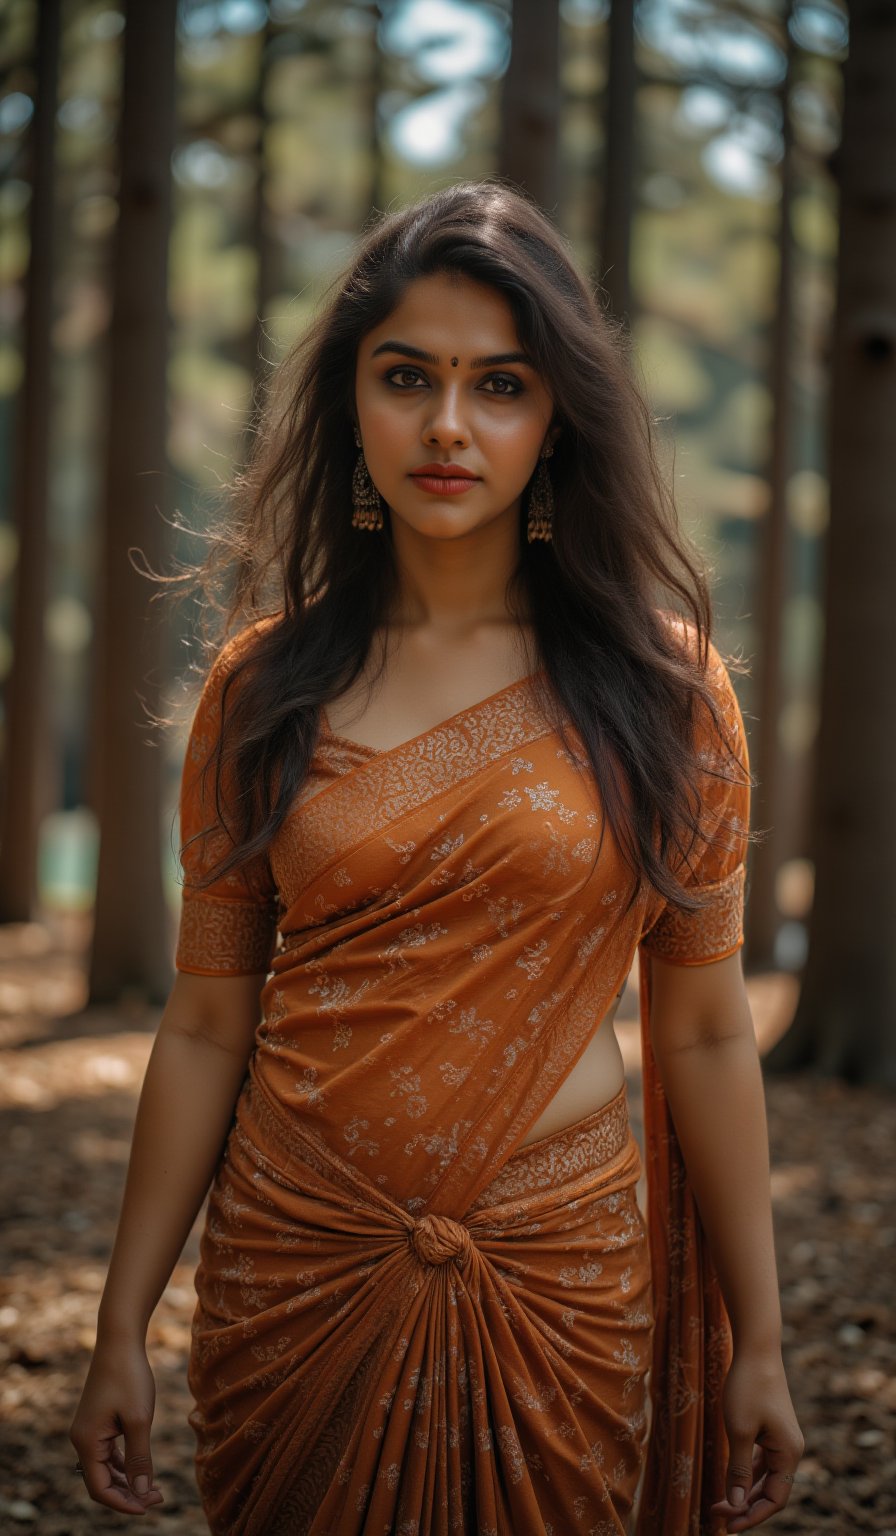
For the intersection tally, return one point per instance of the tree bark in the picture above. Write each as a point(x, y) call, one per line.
point(530, 102)
point(131, 947)
point(26, 789)
point(846, 1019)
point(619, 160)
point(774, 570)
point(266, 251)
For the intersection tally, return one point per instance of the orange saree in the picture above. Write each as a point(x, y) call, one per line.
point(406, 1320)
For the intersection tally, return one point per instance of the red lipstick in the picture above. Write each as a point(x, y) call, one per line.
point(444, 479)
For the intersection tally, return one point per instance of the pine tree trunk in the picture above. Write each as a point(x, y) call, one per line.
point(846, 1019)
point(619, 160)
point(530, 102)
point(26, 790)
point(131, 948)
point(267, 252)
point(774, 572)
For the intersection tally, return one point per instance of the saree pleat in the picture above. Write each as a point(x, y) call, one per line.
point(409, 1317)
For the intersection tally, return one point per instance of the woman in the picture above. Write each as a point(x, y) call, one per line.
point(466, 766)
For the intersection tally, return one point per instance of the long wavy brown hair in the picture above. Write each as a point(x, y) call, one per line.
point(285, 551)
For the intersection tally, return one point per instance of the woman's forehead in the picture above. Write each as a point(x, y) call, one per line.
point(450, 310)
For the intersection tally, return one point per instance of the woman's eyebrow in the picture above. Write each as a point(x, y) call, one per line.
point(429, 357)
point(502, 357)
point(406, 351)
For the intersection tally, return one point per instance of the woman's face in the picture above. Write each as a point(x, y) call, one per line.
point(443, 384)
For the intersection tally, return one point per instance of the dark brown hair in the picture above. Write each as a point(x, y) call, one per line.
point(594, 595)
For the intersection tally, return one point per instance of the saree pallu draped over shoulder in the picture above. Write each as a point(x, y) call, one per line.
point(408, 1320)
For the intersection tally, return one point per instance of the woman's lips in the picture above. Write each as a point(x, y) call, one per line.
point(444, 485)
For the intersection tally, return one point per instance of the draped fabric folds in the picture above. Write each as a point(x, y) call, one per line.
point(400, 1373)
point(408, 1318)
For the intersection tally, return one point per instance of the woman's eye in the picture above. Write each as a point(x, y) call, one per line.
point(404, 374)
point(409, 378)
point(508, 385)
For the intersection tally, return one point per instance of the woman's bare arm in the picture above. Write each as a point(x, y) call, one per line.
point(705, 1047)
point(195, 1071)
point(196, 1068)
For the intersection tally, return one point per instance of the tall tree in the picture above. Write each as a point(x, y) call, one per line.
point(131, 946)
point(530, 102)
point(774, 564)
point(376, 84)
point(266, 249)
point(845, 1023)
point(26, 792)
point(619, 159)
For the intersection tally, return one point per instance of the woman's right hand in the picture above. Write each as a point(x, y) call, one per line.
point(118, 1400)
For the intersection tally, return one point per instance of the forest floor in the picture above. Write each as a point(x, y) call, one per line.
point(69, 1080)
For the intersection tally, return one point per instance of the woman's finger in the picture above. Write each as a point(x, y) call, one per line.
point(732, 1512)
point(739, 1479)
point(100, 1482)
point(770, 1500)
point(725, 1508)
point(137, 1455)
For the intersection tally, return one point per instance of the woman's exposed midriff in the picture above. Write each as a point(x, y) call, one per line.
point(595, 1079)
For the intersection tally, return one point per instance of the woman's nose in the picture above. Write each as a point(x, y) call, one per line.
point(446, 423)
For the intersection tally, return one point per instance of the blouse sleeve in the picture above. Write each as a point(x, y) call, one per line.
point(227, 928)
point(715, 869)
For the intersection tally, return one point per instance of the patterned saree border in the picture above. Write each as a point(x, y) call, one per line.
point(224, 936)
point(716, 930)
point(554, 1159)
point(388, 786)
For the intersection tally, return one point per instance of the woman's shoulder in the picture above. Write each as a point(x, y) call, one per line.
point(700, 650)
point(692, 642)
point(207, 677)
point(236, 647)
point(704, 654)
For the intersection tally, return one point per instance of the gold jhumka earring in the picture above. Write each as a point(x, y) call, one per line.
point(541, 501)
point(367, 507)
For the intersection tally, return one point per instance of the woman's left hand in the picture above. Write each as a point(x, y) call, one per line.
point(764, 1439)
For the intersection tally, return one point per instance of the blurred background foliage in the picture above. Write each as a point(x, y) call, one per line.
point(297, 119)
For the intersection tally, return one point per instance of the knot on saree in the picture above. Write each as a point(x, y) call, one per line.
point(438, 1239)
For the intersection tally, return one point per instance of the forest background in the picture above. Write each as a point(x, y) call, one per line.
point(180, 183)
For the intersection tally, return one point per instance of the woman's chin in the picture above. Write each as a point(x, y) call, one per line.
point(446, 521)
